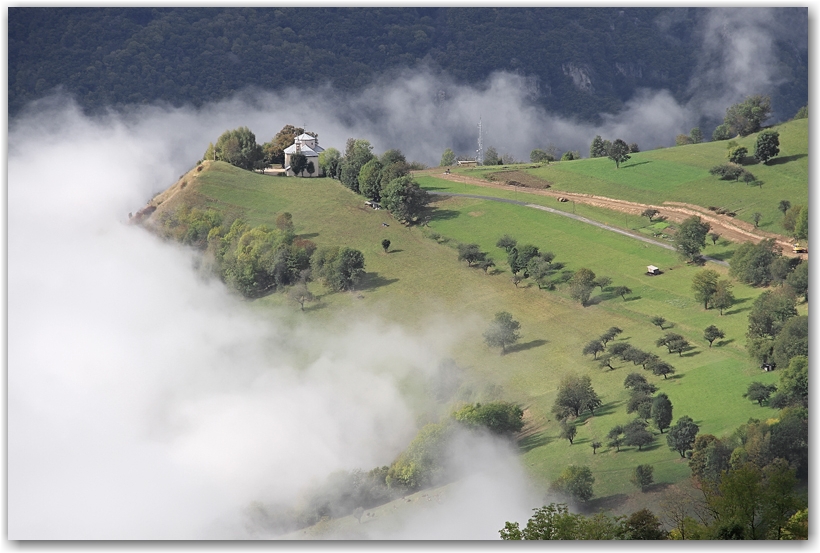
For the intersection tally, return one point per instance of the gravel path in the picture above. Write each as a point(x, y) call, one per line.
point(576, 217)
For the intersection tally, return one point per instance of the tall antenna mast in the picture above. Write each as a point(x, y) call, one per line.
point(479, 154)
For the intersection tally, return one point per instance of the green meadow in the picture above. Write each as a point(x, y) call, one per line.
point(681, 174)
point(420, 280)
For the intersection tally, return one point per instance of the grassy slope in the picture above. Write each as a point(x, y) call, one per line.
point(421, 277)
point(682, 174)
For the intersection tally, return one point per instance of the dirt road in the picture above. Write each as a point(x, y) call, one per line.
point(727, 227)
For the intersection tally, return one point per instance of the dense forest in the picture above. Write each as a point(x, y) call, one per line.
point(577, 61)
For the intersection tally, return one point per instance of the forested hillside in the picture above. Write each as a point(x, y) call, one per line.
point(578, 61)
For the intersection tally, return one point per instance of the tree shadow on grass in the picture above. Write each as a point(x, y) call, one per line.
point(373, 280)
point(443, 215)
point(786, 159)
point(607, 503)
point(635, 164)
point(723, 256)
point(395, 251)
point(308, 235)
point(691, 353)
point(724, 342)
point(674, 377)
point(315, 306)
point(531, 442)
point(603, 410)
point(525, 346)
point(735, 311)
point(632, 298)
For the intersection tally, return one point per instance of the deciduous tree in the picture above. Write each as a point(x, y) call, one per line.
point(704, 284)
point(642, 476)
point(618, 152)
point(691, 237)
point(576, 482)
point(682, 435)
point(767, 146)
point(575, 395)
point(448, 158)
point(712, 333)
point(503, 331)
point(760, 392)
point(746, 117)
point(405, 199)
point(581, 285)
point(662, 411)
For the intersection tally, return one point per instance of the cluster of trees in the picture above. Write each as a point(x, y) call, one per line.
point(695, 136)
point(750, 481)
point(627, 352)
point(499, 417)
point(763, 264)
point(472, 254)
point(744, 118)
point(384, 179)
point(776, 332)
point(618, 151)
point(555, 522)
point(257, 260)
point(237, 147)
point(527, 261)
point(795, 219)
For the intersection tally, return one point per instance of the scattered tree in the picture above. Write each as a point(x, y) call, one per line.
point(760, 392)
point(660, 368)
point(619, 349)
point(594, 347)
point(658, 321)
point(642, 476)
point(385, 245)
point(621, 291)
point(576, 482)
point(662, 411)
point(606, 361)
point(602, 282)
point(570, 156)
point(714, 236)
point(636, 434)
point(339, 268)
point(691, 237)
point(448, 158)
point(712, 333)
point(682, 435)
point(618, 152)
point(738, 154)
point(784, 206)
point(801, 226)
point(598, 147)
point(581, 285)
point(471, 253)
point(756, 217)
point(300, 294)
point(503, 331)
point(238, 147)
point(568, 431)
point(575, 395)
point(616, 437)
point(633, 148)
point(595, 445)
point(310, 168)
point(704, 284)
point(507, 242)
point(767, 146)
point(610, 334)
point(491, 157)
point(650, 212)
point(696, 135)
point(790, 217)
point(682, 140)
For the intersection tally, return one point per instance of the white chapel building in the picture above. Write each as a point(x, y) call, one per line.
point(309, 147)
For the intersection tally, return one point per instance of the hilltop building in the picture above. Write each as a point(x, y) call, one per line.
point(309, 147)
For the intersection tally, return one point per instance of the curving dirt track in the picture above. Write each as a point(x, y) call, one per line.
point(727, 227)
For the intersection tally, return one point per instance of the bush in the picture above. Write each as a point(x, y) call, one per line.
point(499, 417)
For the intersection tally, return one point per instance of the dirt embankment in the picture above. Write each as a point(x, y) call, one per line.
point(726, 226)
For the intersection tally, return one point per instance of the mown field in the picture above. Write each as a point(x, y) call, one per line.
point(420, 280)
point(681, 174)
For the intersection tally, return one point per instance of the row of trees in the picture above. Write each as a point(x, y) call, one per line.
point(555, 522)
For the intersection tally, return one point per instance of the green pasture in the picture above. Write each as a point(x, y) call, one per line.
point(420, 281)
point(681, 174)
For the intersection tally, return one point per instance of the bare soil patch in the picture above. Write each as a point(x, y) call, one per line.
point(729, 228)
